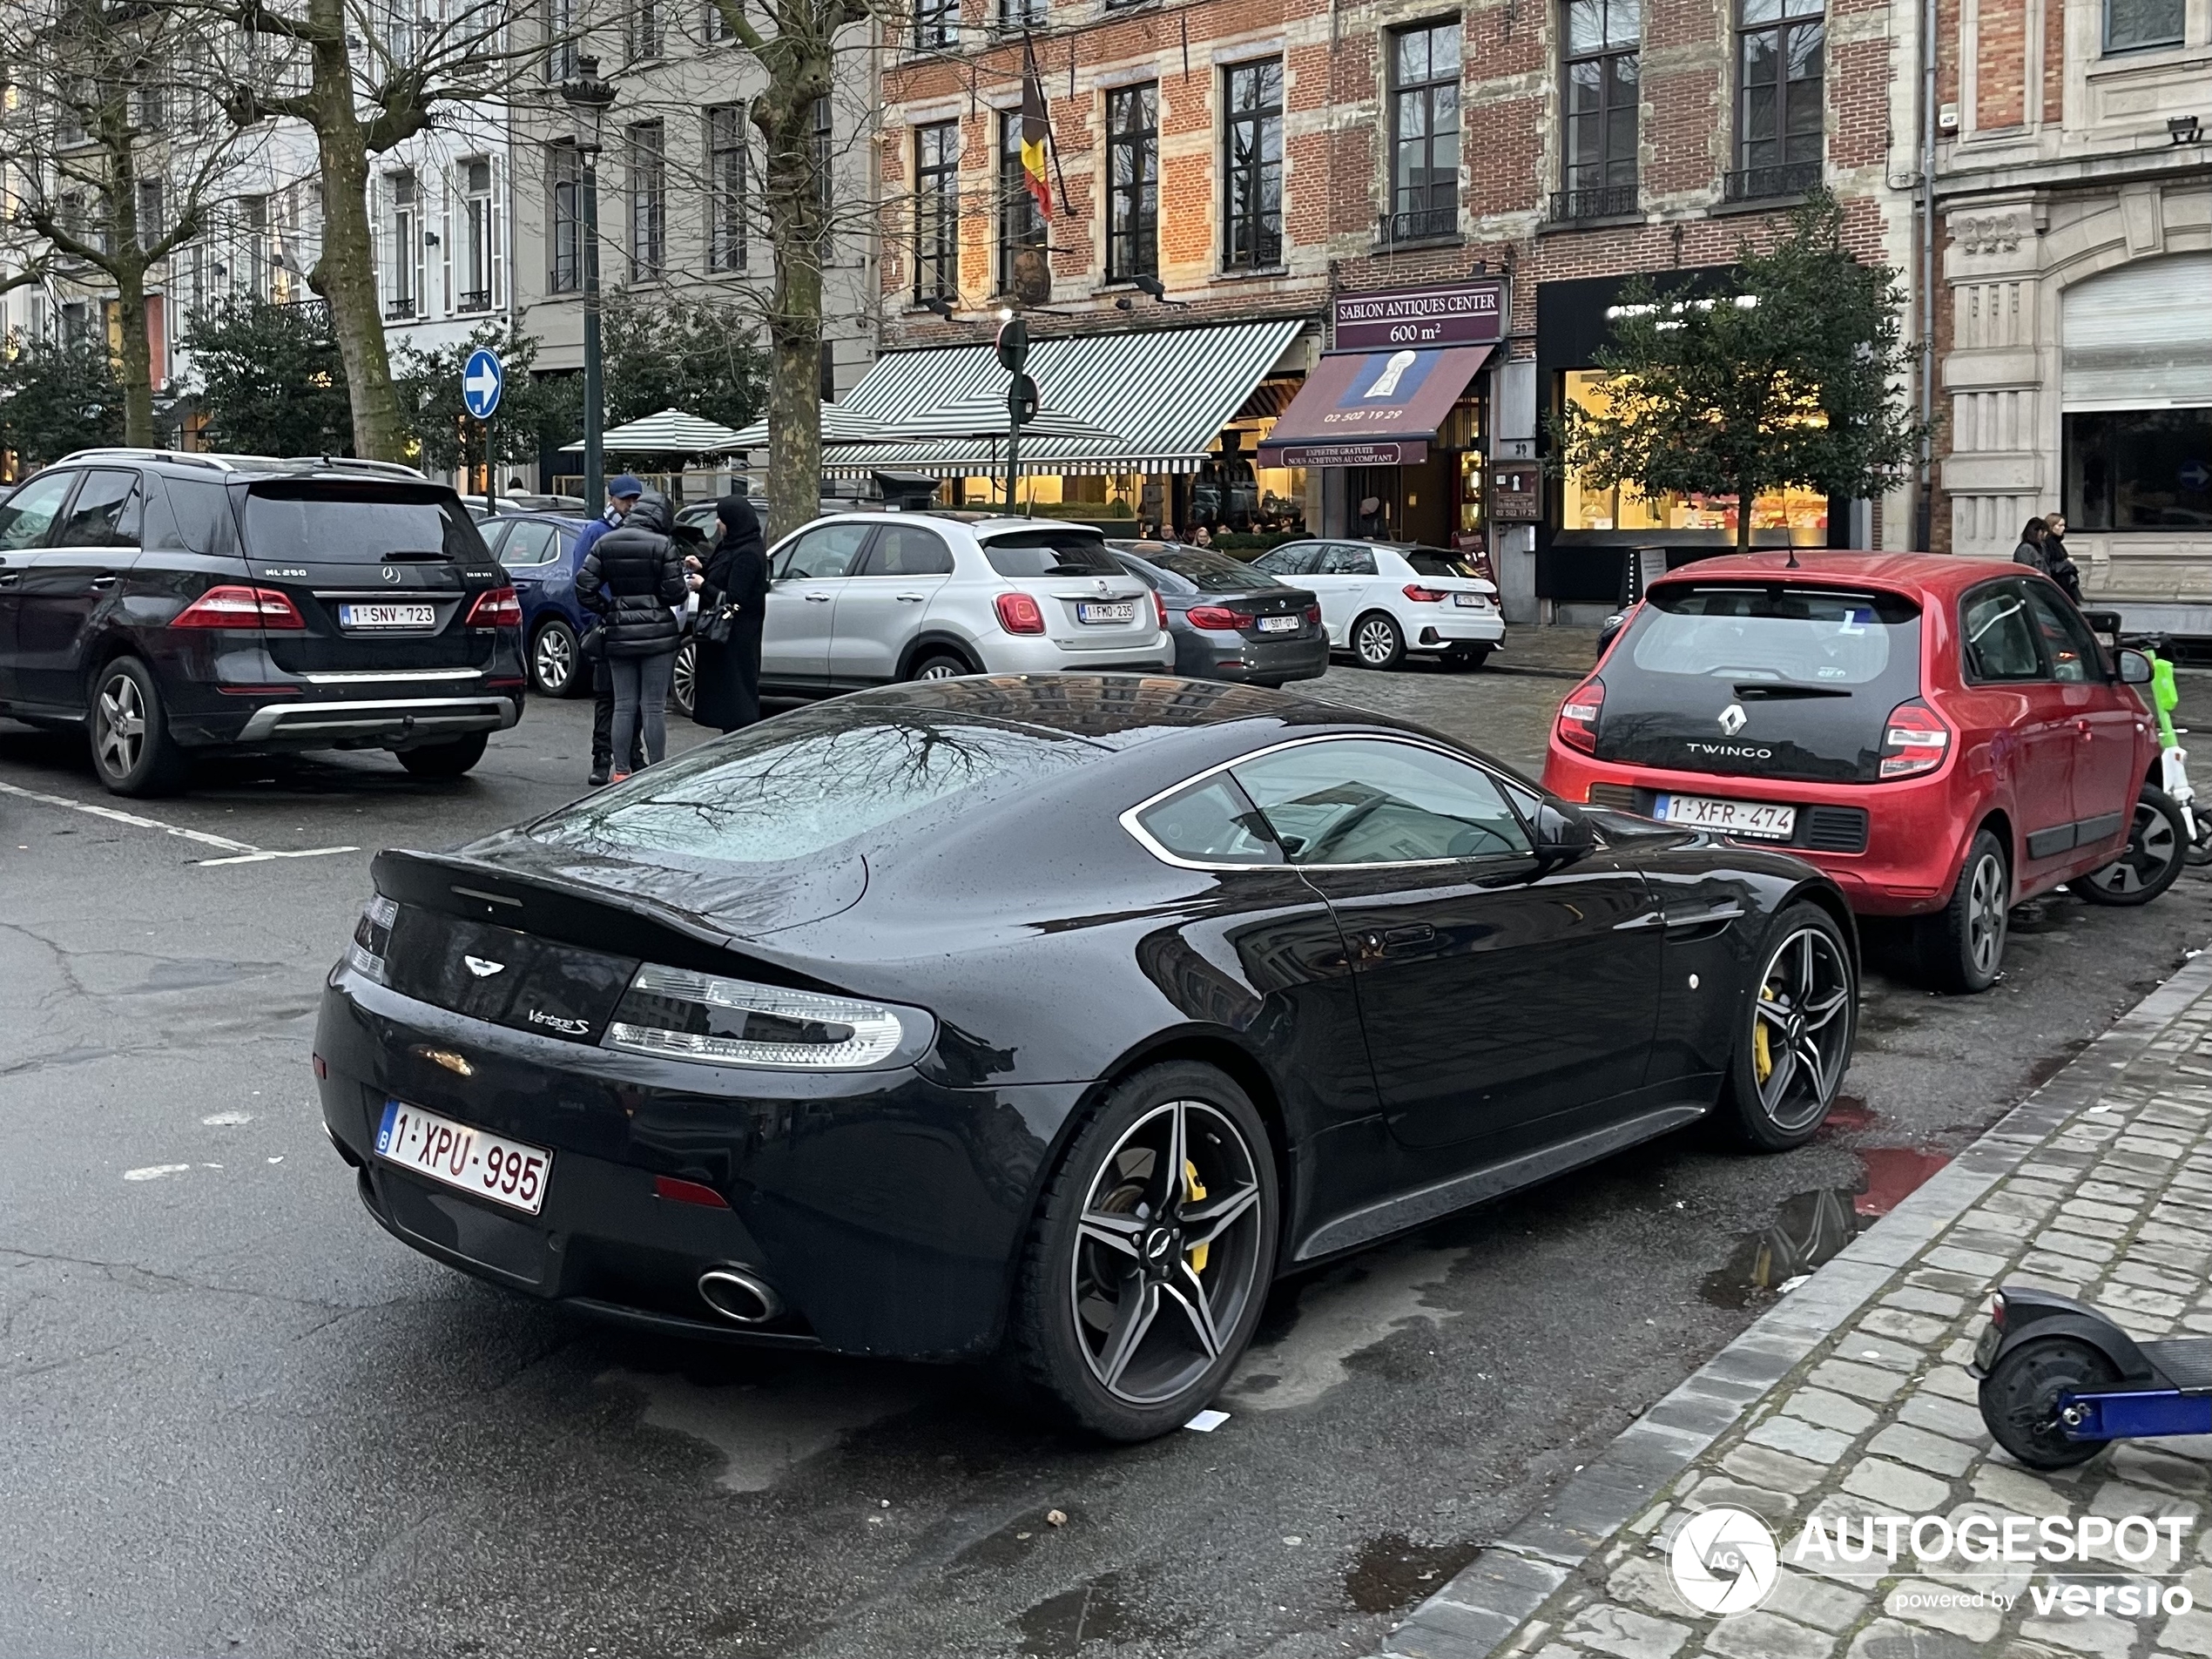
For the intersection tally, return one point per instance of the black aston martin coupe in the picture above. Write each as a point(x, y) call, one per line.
point(1060, 1012)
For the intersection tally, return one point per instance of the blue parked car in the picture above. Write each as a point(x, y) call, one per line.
point(538, 550)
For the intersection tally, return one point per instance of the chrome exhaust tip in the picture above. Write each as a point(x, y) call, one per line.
point(738, 1296)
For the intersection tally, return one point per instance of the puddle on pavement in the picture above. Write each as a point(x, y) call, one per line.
point(1848, 1116)
point(1811, 1227)
point(1392, 1572)
point(1893, 1173)
point(1100, 1611)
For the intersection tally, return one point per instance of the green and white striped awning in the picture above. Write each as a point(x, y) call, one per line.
point(1163, 396)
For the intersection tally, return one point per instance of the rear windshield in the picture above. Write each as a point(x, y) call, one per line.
point(349, 523)
point(792, 787)
point(1050, 552)
point(1782, 636)
point(1434, 561)
point(1206, 572)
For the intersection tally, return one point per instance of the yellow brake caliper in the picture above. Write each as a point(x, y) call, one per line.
point(1194, 1192)
point(1762, 1055)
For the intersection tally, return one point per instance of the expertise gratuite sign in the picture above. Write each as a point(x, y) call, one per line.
point(1450, 314)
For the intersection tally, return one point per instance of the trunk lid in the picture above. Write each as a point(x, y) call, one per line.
point(1760, 679)
point(1089, 601)
point(382, 573)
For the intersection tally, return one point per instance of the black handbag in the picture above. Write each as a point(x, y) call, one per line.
point(715, 627)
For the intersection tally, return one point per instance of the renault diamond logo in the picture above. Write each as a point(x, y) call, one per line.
point(1732, 719)
point(391, 573)
point(481, 968)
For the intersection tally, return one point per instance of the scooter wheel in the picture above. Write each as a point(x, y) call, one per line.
point(2020, 1399)
point(2198, 853)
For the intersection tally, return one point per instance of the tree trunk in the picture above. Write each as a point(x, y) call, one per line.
point(345, 275)
point(137, 358)
point(796, 226)
point(1744, 497)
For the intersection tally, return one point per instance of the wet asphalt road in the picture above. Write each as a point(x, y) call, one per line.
point(235, 1418)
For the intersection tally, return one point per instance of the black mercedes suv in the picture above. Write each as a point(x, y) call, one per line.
point(168, 605)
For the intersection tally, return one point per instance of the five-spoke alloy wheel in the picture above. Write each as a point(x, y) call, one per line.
point(1797, 1039)
point(132, 748)
point(1148, 1265)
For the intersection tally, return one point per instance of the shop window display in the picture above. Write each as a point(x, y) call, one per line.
point(1585, 506)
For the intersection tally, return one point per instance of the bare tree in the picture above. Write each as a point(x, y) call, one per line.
point(363, 76)
point(116, 174)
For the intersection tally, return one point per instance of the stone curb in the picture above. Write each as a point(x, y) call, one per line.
point(1473, 1617)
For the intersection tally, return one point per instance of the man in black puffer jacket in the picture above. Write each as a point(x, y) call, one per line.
point(633, 577)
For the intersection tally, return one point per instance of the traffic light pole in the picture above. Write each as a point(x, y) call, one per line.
point(1013, 352)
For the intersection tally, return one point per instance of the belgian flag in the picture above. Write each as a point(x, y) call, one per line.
point(1036, 131)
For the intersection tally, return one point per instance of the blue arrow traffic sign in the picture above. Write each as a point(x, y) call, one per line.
point(2195, 476)
point(479, 383)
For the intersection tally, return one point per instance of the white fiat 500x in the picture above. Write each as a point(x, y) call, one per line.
point(1381, 600)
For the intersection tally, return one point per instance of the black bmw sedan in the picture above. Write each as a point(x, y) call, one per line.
point(1057, 1012)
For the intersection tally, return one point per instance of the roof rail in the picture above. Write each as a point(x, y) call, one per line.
point(350, 463)
point(131, 452)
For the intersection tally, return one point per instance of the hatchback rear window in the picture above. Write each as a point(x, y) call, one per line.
point(1434, 561)
point(349, 523)
point(1786, 636)
point(1050, 552)
point(1211, 572)
point(793, 787)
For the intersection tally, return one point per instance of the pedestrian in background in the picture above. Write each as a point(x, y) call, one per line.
point(2057, 561)
point(622, 495)
point(2030, 551)
point(725, 687)
point(632, 578)
point(1202, 536)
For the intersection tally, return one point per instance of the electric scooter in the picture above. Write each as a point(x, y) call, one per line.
point(2059, 1380)
point(2173, 759)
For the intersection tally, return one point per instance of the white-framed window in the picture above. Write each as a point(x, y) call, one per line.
point(479, 235)
point(403, 280)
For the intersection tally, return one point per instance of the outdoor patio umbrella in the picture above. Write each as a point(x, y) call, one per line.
point(840, 425)
point(671, 432)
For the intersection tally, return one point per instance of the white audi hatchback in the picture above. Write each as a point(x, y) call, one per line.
point(1380, 600)
point(865, 598)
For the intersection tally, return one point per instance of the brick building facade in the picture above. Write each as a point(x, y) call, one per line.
point(1419, 145)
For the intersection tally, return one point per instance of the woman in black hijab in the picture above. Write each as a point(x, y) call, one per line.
point(726, 692)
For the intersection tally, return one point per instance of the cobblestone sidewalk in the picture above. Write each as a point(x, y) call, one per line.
point(1851, 1398)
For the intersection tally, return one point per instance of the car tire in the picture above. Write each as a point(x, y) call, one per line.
point(449, 760)
point(132, 751)
point(684, 679)
point(1377, 641)
point(1123, 1324)
point(557, 668)
point(1466, 659)
point(2158, 842)
point(939, 666)
point(1794, 1037)
point(1961, 947)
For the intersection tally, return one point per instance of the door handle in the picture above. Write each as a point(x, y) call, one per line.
point(818, 598)
point(102, 583)
point(1418, 933)
point(910, 599)
point(8, 578)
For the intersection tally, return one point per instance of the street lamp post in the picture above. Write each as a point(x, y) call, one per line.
point(588, 97)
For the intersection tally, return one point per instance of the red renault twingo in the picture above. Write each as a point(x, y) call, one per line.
point(1944, 736)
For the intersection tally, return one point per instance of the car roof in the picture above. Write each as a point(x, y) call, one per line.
point(1917, 574)
point(540, 516)
point(201, 464)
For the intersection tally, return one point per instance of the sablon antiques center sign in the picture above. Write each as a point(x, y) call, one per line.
point(1452, 314)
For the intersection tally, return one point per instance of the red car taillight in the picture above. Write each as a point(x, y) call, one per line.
point(495, 608)
point(1018, 614)
point(1578, 716)
point(1219, 616)
point(1421, 595)
point(238, 607)
point(1313, 615)
point(1913, 741)
point(1160, 610)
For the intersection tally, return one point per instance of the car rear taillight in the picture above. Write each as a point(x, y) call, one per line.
point(1421, 595)
point(1313, 615)
point(1160, 610)
point(1219, 617)
point(1913, 741)
point(372, 938)
point(673, 1013)
point(231, 606)
point(1578, 716)
point(1018, 614)
point(495, 608)
point(1997, 1310)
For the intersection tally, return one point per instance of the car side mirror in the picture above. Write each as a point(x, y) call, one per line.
point(2134, 667)
point(1563, 834)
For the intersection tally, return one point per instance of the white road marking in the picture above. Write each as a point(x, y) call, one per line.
point(225, 1120)
point(155, 1171)
point(116, 815)
point(262, 857)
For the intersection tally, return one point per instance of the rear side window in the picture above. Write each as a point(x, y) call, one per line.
point(907, 549)
point(350, 523)
point(1349, 561)
point(527, 543)
point(1788, 636)
point(1212, 823)
point(1996, 637)
point(2068, 646)
point(204, 518)
point(795, 787)
point(1295, 560)
point(1050, 552)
